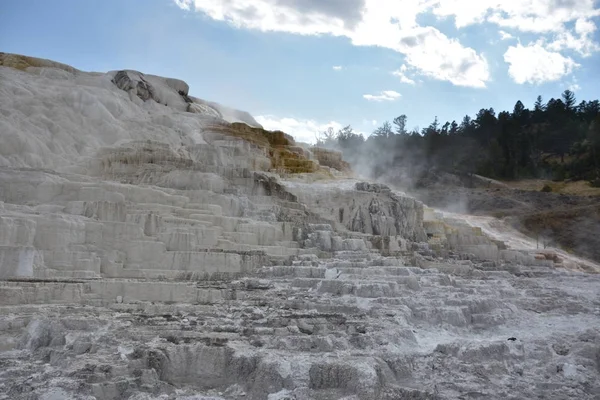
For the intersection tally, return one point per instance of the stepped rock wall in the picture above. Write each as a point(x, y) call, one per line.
point(154, 245)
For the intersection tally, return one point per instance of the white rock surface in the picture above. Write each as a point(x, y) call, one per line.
point(145, 256)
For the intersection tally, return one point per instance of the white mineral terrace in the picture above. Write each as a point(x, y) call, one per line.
point(144, 256)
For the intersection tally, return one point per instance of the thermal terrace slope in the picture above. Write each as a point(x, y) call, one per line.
point(158, 246)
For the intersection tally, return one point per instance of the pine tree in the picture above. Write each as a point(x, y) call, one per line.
point(384, 131)
point(539, 105)
point(569, 100)
point(518, 110)
point(453, 128)
point(400, 123)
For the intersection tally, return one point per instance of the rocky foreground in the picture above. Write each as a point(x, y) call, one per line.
point(154, 245)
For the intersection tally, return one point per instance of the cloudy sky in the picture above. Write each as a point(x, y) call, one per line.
point(303, 65)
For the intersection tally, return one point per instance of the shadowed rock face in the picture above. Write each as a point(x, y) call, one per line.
point(269, 186)
point(372, 187)
point(134, 81)
point(146, 254)
point(371, 209)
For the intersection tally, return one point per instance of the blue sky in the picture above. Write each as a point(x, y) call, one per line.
point(302, 65)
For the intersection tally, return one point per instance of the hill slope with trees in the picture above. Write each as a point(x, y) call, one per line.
point(556, 140)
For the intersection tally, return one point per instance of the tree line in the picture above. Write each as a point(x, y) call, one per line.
point(559, 139)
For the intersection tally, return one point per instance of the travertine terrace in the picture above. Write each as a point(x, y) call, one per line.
point(154, 245)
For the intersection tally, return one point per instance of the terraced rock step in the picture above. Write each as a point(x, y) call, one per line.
point(262, 335)
point(165, 247)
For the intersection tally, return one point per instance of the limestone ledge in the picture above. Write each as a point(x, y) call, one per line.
point(65, 225)
point(149, 250)
point(358, 324)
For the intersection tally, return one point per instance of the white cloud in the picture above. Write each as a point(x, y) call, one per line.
point(401, 73)
point(564, 24)
point(386, 95)
point(574, 86)
point(185, 4)
point(559, 24)
point(537, 16)
point(303, 130)
point(337, 67)
point(439, 57)
point(380, 23)
point(274, 15)
point(465, 12)
point(582, 42)
point(541, 16)
point(505, 35)
point(534, 64)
